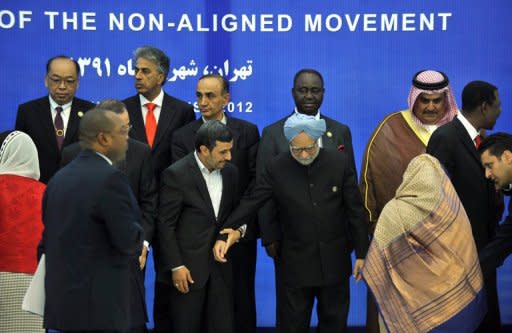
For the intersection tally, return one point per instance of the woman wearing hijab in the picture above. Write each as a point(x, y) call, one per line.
point(20, 228)
point(422, 266)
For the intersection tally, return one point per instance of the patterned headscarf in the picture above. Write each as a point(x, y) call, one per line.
point(299, 122)
point(432, 82)
point(18, 155)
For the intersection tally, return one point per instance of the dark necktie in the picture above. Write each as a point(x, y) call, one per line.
point(150, 123)
point(478, 141)
point(59, 127)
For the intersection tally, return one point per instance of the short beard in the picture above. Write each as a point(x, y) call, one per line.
point(309, 160)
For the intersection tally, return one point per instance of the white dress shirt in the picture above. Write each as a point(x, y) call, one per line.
point(472, 132)
point(158, 101)
point(66, 111)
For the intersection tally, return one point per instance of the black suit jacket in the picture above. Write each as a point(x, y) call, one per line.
point(174, 114)
point(243, 154)
point(453, 147)
point(137, 166)
point(35, 119)
point(187, 228)
point(500, 247)
point(337, 137)
point(319, 207)
point(92, 238)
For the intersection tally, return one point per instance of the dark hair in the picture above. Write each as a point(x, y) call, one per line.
point(475, 93)
point(222, 79)
point(308, 71)
point(94, 122)
point(49, 63)
point(496, 144)
point(156, 56)
point(113, 105)
point(210, 132)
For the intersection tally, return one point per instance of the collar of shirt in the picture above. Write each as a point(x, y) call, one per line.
point(224, 120)
point(204, 170)
point(105, 157)
point(317, 117)
point(159, 100)
point(473, 132)
point(66, 111)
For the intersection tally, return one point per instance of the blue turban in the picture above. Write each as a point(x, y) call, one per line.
point(299, 122)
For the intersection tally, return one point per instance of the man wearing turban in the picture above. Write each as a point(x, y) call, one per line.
point(320, 216)
point(399, 138)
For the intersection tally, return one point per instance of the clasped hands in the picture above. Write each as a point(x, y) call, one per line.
point(221, 247)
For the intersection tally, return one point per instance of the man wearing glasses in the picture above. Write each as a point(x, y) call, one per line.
point(52, 121)
point(308, 94)
point(320, 213)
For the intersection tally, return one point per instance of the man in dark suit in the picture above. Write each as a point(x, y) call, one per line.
point(196, 195)
point(92, 236)
point(320, 209)
point(52, 121)
point(455, 146)
point(167, 113)
point(308, 93)
point(496, 156)
point(137, 166)
point(155, 116)
point(212, 96)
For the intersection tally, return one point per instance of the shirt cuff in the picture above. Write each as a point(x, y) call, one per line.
point(176, 268)
point(242, 229)
point(146, 244)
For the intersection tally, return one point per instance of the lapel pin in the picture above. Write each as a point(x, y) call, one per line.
point(80, 114)
point(335, 188)
point(329, 134)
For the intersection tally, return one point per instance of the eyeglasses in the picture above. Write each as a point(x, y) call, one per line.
point(126, 129)
point(308, 149)
point(57, 81)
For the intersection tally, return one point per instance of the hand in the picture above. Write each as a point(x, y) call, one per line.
point(143, 256)
point(272, 249)
point(358, 267)
point(220, 249)
point(181, 278)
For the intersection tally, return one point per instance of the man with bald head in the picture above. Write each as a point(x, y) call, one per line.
point(399, 138)
point(320, 214)
point(52, 121)
point(92, 236)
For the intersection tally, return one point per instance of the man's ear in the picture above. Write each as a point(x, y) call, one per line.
point(203, 150)
point(507, 156)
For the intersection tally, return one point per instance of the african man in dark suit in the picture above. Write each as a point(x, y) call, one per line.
point(92, 236)
point(455, 146)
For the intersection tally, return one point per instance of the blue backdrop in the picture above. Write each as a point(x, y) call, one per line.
point(366, 50)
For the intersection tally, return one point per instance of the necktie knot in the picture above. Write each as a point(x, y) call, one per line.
point(150, 106)
point(59, 109)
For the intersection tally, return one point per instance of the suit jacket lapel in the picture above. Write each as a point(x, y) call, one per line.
point(466, 140)
point(201, 185)
point(167, 115)
point(138, 131)
point(328, 139)
point(224, 199)
point(235, 130)
point(46, 122)
point(72, 122)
